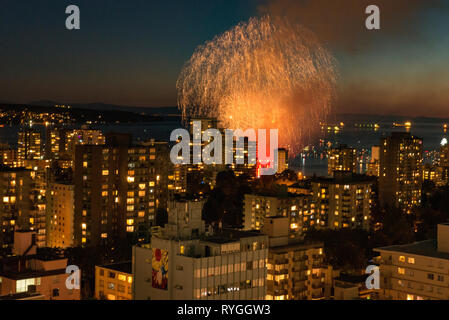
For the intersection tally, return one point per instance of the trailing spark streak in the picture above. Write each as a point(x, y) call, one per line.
point(262, 74)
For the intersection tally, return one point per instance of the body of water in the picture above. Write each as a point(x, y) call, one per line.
point(354, 130)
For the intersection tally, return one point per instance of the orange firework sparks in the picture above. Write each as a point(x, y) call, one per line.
point(261, 74)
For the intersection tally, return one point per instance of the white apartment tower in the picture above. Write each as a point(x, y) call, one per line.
point(184, 262)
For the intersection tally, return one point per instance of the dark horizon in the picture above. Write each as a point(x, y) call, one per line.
point(132, 53)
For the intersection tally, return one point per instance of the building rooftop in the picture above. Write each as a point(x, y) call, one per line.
point(296, 246)
point(231, 235)
point(352, 278)
point(125, 267)
point(277, 195)
point(303, 184)
point(342, 177)
point(426, 248)
point(29, 273)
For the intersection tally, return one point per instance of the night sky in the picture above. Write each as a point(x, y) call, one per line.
point(131, 52)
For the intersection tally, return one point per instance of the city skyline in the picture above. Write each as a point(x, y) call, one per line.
point(135, 162)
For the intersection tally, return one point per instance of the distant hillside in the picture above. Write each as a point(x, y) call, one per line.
point(76, 114)
point(169, 110)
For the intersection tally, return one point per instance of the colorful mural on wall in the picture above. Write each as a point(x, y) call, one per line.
point(160, 269)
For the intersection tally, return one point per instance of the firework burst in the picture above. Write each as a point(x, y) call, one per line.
point(264, 73)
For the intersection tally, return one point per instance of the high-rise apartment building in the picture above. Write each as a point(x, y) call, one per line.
point(15, 203)
point(60, 215)
point(400, 179)
point(83, 136)
point(444, 153)
point(37, 194)
point(29, 145)
point(344, 201)
point(298, 208)
point(282, 160)
point(118, 189)
point(184, 262)
point(373, 167)
point(200, 164)
point(243, 156)
point(416, 271)
point(342, 158)
point(61, 142)
point(55, 143)
point(295, 270)
point(434, 173)
point(8, 156)
point(444, 162)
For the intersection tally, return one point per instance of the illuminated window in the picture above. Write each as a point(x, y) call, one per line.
point(105, 172)
point(122, 277)
point(130, 179)
point(130, 229)
point(401, 259)
point(411, 260)
point(130, 222)
point(401, 270)
point(22, 285)
point(83, 226)
point(182, 250)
